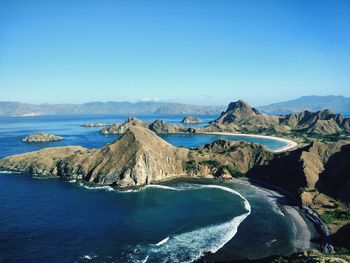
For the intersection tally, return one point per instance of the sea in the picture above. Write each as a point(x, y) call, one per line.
point(56, 220)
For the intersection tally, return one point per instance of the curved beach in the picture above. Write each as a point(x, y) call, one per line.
point(290, 144)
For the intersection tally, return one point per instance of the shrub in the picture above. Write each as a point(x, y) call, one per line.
point(337, 214)
point(212, 163)
point(192, 166)
point(233, 171)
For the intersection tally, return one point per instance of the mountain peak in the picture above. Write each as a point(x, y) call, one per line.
point(240, 104)
point(237, 110)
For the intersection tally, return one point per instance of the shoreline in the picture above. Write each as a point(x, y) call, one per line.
point(290, 144)
point(304, 229)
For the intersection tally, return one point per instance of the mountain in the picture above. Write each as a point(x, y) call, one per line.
point(120, 108)
point(241, 117)
point(137, 158)
point(338, 104)
point(236, 111)
point(321, 122)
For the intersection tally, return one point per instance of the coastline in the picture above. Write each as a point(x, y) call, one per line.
point(290, 144)
point(304, 230)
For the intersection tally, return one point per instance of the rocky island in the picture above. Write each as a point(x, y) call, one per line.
point(95, 124)
point(191, 120)
point(42, 137)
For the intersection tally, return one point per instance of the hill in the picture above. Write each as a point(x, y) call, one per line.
point(241, 117)
point(337, 104)
point(120, 108)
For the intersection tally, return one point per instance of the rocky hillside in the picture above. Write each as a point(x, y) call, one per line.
point(137, 158)
point(321, 122)
point(319, 175)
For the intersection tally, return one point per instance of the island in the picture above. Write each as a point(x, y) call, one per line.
point(42, 137)
point(191, 120)
point(95, 124)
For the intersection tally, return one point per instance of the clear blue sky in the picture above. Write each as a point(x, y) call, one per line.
point(201, 52)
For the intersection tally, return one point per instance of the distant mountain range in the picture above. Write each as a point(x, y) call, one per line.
point(337, 104)
point(121, 108)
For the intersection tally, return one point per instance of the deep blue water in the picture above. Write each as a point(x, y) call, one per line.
point(58, 221)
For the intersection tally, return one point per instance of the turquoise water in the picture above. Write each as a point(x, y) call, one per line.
point(60, 221)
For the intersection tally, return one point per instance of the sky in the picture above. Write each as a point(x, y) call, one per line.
point(199, 52)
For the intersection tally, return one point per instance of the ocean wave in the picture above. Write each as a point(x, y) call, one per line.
point(190, 246)
point(105, 187)
point(272, 199)
point(9, 172)
point(162, 241)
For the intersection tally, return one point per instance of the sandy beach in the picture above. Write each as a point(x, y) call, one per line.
point(290, 144)
point(304, 229)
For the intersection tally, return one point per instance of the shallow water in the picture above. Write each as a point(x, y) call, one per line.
point(59, 221)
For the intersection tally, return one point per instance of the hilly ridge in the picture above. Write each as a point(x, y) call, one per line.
point(122, 108)
point(338, 104)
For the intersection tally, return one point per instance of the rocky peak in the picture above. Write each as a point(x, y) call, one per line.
point(242, 105)
point(235, 111)
point(132, 120)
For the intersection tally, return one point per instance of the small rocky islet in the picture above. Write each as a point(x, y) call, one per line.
point(191, 120)
point(42, 137)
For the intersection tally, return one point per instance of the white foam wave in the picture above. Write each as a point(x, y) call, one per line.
point(190, 246)
point(105, 187)
point(271, 198)
point(161, 187)
point(162, 241)
point(9, 172)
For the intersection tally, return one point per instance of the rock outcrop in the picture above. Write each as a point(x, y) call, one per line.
point(42, 137)
point(191, 120)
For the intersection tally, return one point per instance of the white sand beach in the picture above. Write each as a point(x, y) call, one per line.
point(290, 144)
